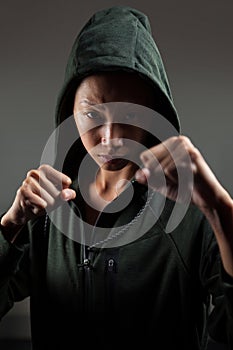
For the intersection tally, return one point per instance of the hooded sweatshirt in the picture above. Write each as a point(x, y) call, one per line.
point(159, 289)
point(118, 38)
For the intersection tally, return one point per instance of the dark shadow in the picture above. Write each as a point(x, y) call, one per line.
point(15, 344)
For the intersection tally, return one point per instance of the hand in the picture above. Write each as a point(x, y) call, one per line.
point(43, 190)
point(175, 156)
point(179, 154)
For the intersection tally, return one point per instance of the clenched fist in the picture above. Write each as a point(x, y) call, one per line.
point(163, 165)
point(43, 190)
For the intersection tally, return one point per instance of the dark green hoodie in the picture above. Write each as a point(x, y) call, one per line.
point(118, 38)
point(163, 290)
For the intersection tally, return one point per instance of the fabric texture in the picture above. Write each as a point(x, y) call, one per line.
point(118, 38)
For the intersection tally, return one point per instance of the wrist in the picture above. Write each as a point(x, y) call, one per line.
point(9, 228)
point(223, 207)
point(220, 216)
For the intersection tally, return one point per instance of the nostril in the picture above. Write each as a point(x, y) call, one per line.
point(105, 141)
point(117, 142)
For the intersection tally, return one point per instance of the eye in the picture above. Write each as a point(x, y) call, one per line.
point(92, 115)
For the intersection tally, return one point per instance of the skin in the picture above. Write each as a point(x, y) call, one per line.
point(107, 137)
point(45, 188)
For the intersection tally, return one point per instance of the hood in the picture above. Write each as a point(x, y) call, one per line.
point(117, 38)
point(113, 39)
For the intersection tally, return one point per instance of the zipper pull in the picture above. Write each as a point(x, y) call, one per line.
point(86, 263)
point(111, 265)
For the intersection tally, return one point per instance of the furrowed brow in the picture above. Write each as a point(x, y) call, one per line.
point(88, 102)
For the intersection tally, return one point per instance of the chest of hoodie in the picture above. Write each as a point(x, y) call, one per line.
point(138, 276)
point(139, 273)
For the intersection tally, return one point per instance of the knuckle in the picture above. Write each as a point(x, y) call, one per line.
point(29, 173)
point(23, 191)
point(26, 182)
point(185, 144)
point(165, 171)
point(148, 154)
point(44, 167)
point(184, 141)
point(176, 138)
point(24, 188)
point(143, 156)
point(144, 152)
point(172, 139)
point(183, 138)
point(32, 173)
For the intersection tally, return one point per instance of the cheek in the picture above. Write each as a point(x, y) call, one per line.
point(89, 140)
point(137, 134)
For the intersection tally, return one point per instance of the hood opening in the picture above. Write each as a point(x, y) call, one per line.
point(114, 39)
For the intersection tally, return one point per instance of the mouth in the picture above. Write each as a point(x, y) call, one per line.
point(111, 158)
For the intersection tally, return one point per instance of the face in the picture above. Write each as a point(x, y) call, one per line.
point(109, 131)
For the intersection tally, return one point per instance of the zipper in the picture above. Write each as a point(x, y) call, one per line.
point(110, 282)
point(86, 270)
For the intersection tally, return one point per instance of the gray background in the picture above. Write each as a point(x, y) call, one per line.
point(195, 39)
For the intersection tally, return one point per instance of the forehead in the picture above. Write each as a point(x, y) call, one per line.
point(115, 87)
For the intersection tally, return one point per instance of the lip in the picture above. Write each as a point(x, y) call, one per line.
point(110, 158)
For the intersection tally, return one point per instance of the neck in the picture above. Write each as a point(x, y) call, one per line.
point(114, 181)
point(108, 185)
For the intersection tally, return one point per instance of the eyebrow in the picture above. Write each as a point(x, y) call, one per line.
point(88, 102)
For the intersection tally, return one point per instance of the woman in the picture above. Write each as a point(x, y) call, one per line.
point(87, 237)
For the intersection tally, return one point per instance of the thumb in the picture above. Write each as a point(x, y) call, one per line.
point(142, 175)
point(67, 194)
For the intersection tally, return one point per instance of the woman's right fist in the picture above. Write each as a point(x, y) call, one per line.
point(43, 190)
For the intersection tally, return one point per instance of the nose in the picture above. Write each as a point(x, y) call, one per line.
point(111, 135)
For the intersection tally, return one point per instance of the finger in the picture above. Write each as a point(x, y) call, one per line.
point(33, 209)
point(142, 175)
point(31, 185)
point(168, 156)
point(156, 153)
point(155, 166)
point(56, 177)
point(53, 189)
point(67, 194)
point(32, 201)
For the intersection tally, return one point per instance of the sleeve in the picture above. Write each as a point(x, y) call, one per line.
point(14, 271)
point(218, 287)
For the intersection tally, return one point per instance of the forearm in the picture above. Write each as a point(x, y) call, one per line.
point(9, 229)
point(220, 218)
point(14, 277)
